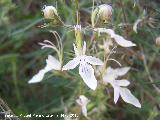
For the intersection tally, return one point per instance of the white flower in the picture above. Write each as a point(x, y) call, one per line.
point(51, 64)
point(83, 101)
point(119, 39)
point(85, 69)
point(119, 85)
point(49, 12)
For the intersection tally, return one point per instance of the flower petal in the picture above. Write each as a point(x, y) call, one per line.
point(38, 77)
point(110, 32)
point(108, 78)
point(53, 63)
point(110, 70)
point(116, 94)
point(87, 73)
point(84, 111)
point(122, 82)
point(84, 48)
point(128, 97)
point(121, 71)
point(75, 50)
point(122, 42)
point(71, 64)
point(104, 30)
point(112, 74)
point(93, 60)
point(119, 39)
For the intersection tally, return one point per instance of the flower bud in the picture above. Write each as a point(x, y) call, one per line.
point(105, 12)
point(78, 36)
point(49, 12)
point(158, 41)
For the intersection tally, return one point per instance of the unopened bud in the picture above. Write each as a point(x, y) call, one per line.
point(105, 12)
point(158, 41)
point(78, 35)
point(50, 12)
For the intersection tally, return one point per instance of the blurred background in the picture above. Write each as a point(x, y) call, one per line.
point(21, 57)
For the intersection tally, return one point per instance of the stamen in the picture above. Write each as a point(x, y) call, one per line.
point(116, 61)
point(47, 41)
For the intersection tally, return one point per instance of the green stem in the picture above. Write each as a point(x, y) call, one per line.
point(14, 77)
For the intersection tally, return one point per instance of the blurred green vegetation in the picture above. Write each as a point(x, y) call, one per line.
point(21, 57)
